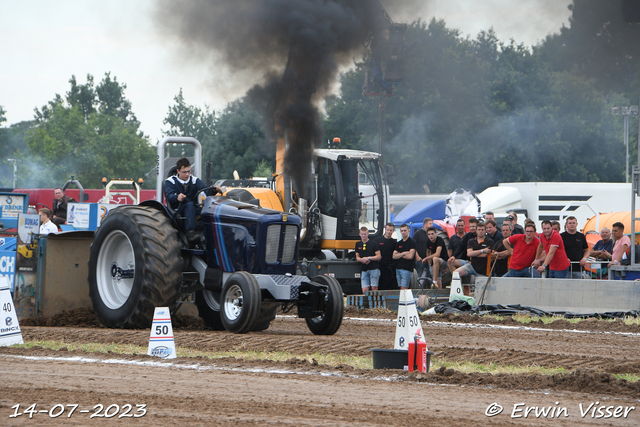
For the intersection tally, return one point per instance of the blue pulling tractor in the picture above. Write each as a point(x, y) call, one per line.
point(243, 269)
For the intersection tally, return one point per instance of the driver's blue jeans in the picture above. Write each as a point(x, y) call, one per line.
point(189, 211)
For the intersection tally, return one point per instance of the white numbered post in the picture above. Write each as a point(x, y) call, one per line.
point(408, 322)
point(10, 332)
point(456, 287)
point(161, 342)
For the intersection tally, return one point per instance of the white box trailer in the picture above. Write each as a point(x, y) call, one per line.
point(555, 201)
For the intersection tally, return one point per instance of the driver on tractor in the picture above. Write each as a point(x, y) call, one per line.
point(181, 191)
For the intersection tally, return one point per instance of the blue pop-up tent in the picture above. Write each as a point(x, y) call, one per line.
point(416, 211)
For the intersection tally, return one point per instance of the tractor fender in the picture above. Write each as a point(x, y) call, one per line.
point(162, 208)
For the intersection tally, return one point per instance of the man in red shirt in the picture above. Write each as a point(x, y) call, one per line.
point(525, 247)
point(555, 257)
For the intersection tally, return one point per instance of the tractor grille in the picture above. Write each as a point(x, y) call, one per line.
point(286, 253)
point(289, 249)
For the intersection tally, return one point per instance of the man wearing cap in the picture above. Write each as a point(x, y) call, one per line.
point(515, 227)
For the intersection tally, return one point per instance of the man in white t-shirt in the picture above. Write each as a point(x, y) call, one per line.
point(46, 225)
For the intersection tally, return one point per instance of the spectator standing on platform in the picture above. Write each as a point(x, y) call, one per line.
point(623, 243)
point(576, 246)
point(368, 254)
point(555, 225)
point(404, 254)
point(524, 248)
point(387, 245)
point(551, 253)
point(603, 249)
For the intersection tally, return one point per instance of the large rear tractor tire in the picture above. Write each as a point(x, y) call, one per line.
point(134, 266)
point(330, 321)
point(208, 304)
point(240, 301)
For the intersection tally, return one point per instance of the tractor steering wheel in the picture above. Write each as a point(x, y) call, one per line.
point(202, 195)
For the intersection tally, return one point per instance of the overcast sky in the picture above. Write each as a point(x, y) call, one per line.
point(45, 42)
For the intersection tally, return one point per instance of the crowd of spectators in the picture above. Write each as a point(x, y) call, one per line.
point(510, 250)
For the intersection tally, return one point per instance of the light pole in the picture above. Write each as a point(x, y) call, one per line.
point(626, 112)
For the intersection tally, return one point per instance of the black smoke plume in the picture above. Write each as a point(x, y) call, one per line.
point(260, 37)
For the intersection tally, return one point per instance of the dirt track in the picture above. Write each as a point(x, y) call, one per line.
point(230, 391)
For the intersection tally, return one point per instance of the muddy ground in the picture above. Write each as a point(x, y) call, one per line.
point(300, 391)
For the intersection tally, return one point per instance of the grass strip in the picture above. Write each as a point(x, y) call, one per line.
point(526, 319)
point(334, 360)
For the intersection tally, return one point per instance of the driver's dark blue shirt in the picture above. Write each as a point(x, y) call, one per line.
point(173, 187)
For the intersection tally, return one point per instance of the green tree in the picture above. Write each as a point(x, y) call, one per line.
point(239, 143)
point(191, 121)
point(90, 134)
point(232, 140)
point(263, 170)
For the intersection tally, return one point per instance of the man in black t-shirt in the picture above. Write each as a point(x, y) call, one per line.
point(460, 257)
point(477, 250)
point(421, 239)
point(454, 241)
point(436, 255)
point(576, 247)
point(387, 245)
point(404, 254)
point(368, 253)
point(501, 266)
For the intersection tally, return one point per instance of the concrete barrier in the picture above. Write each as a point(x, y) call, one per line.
point(577, 296)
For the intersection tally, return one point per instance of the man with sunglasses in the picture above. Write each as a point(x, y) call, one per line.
point(525, 247)
point(368, 254)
